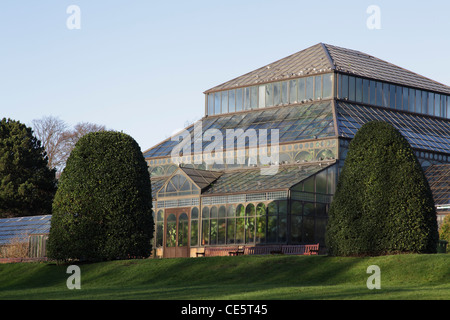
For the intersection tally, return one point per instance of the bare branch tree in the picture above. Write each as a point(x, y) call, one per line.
point(51, 132)
point(59, 140)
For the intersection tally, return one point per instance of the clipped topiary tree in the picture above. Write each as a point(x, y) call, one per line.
point(383, 203)
point(103, 207)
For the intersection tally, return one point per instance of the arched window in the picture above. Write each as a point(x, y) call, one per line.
point(194, 227)
point(240, 224)
point(178, 185)
point(171, 233)
point(205, 226)
point(159, 228)
point(261, 222)
point(183, 230)
point(250, 213)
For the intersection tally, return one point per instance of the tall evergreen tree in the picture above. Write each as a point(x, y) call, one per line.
point(103, 207)
point(27, 185)
point(383, 203)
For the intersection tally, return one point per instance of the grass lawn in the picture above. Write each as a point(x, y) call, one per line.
point(423, 277)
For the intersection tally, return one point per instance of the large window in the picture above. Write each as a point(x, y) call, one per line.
point(387, 95)
point(271, 94)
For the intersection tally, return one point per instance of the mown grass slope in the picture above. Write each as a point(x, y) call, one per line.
point(236, 278)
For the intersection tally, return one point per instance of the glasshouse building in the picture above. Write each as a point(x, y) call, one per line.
point(261, 167)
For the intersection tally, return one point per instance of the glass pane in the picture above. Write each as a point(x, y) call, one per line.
point(211, 104)
point(213, 231)
point(159, 233)
point(261, 209)
point(160, 216)
point(366, 89)
point(430, 103)
point(222, 212)
point(418, 100)
point(260, 229)
point(247, 98)
point(272, 208)
point(194, 213)
point(317, 87)
point(231, 212)
point(277, 93)
point(327, 86)
point(424, 102)
point(398, 98)
point(411, 101)
point(231, 230)
point(392, 96)
point(272, 229)
point(269, 95)
point(239, 99)
point(217, 103)
point(240, 211)
point(250, 210)
point(358, 97)
point(225, 102)
point(194, 232)
point(214, 212)
point(321, 182)
point(443, 106)
point(205, 213)
point(379, 94)
point(344, 87)
point(301, 90)
point(309, 185)
point(309, 88)
point(221, 231)
point(293, 91)
point(231, 101)
point(250, 230)
point(254, 97)
point(205, 232)
point(171, 230)
point(296, 228)
point(405, 99)
point(262, 96)
point(352, 88)
point(240, 230)
point(373, 92)
point(183, 230)
point(284, 92)
point(437, 103)
point(386, 88)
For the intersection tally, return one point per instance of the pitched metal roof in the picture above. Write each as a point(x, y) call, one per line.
point(324, 57)
point(308, 61)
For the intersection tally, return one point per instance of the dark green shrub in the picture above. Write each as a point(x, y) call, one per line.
point(27, 185)
point(383, 203)
point(102, 209)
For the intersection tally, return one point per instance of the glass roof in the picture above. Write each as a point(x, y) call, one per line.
point(422, 132)
point(439, 179)
point(252, 180)
point(300, 122)
point(18, 229)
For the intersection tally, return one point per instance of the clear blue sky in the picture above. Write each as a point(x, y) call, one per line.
point(141, 66)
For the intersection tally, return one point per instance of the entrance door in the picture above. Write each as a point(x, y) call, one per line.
point(176, 239)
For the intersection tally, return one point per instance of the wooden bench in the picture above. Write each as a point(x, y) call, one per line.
point(237, 252)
